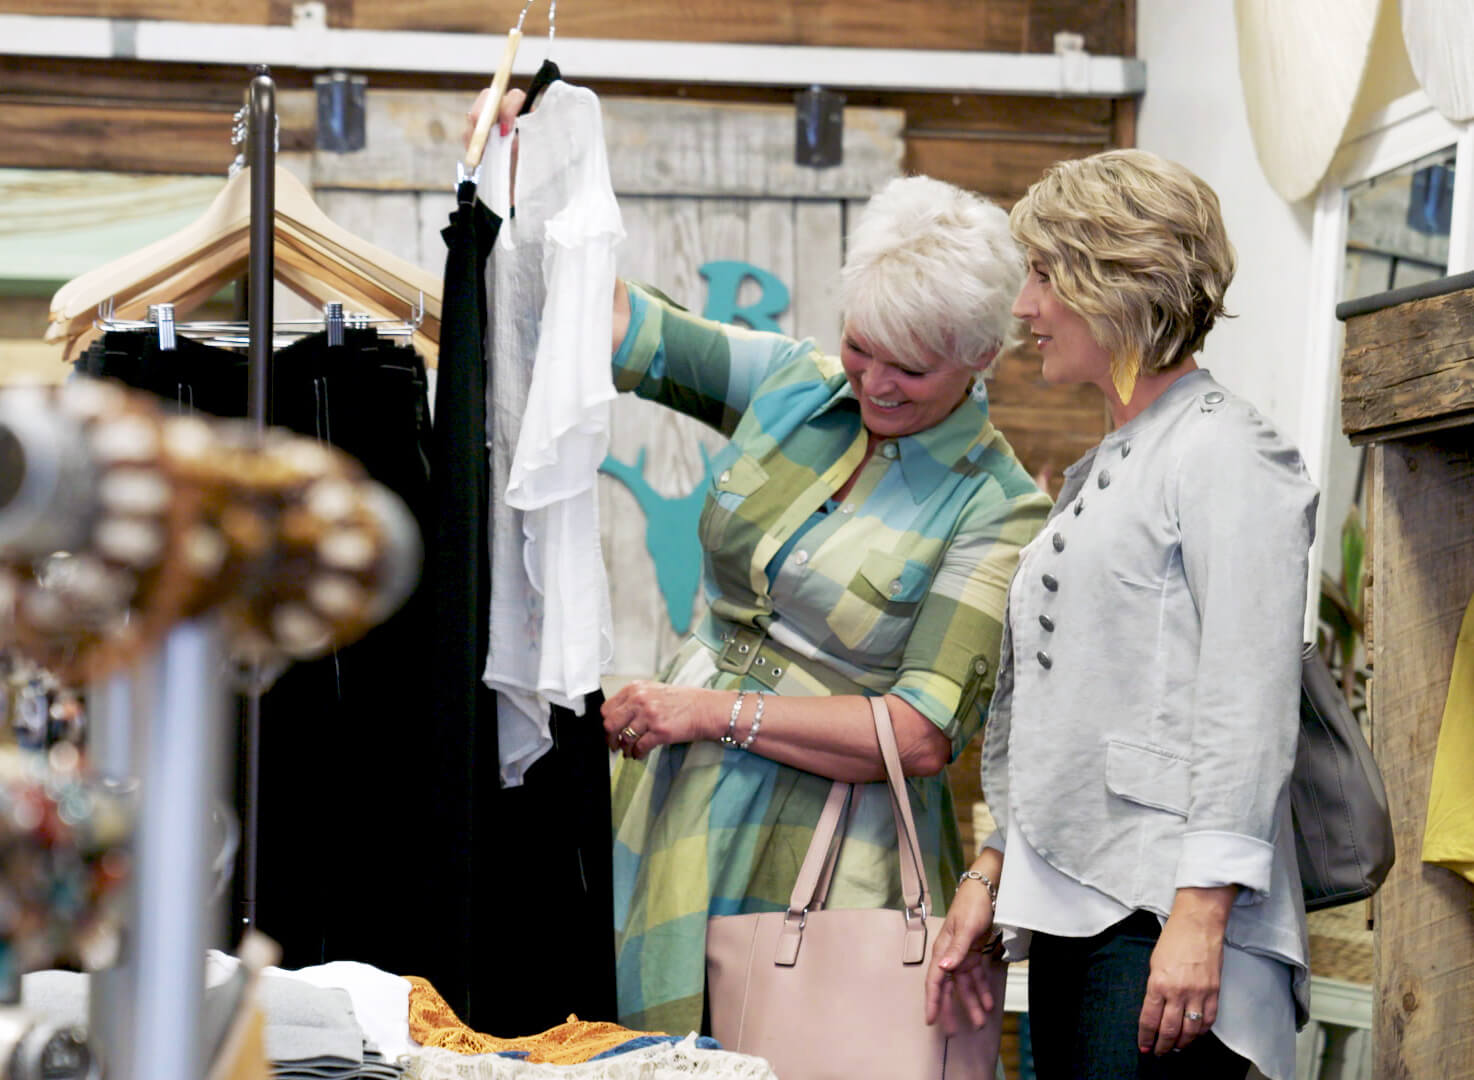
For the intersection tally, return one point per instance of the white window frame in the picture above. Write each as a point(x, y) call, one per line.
point(1406, 130)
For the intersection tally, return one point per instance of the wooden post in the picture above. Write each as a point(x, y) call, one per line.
point(1424, 972)
point(1423, 577)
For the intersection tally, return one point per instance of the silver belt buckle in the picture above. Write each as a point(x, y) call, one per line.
point(741, 650)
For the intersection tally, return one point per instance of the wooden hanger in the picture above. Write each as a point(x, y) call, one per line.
point(191, 265)
point(476, 146)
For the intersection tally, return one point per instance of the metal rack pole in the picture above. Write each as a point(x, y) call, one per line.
point(261, 275)
point(262, 271)
point(117, 714)
point(171, 929)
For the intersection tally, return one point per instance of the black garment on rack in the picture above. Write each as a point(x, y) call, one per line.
point(340, 737)
point(458, 585)
point(340, 755)
point(193, 376)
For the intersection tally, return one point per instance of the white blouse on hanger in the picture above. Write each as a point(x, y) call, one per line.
point(548, 406)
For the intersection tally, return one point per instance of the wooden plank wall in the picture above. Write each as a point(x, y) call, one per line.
point(1424, 575)
point(112, 115)
point(983, 25)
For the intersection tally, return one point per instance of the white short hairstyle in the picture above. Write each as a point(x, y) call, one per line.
point(934, 266)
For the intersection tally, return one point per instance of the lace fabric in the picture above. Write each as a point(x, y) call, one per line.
point(682, 1060)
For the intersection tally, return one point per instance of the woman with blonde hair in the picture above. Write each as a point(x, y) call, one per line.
point(1144, 724)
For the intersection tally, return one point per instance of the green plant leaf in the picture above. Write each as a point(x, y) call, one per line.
point(1353, 554)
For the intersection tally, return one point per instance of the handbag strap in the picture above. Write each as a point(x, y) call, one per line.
point(914, 890)
point(812, 884)
point(811, 888)
point(826, 874)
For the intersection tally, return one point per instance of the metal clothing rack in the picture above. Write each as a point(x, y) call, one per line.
point(162, 727)
point(260, 279)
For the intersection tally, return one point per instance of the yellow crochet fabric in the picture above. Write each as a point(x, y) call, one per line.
point(433, 1023)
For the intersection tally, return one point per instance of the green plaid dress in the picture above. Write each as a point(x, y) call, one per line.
point(899, 589)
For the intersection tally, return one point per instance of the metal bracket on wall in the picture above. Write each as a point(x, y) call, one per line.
point(819, 128)
point(1074, 62)
point(340, 112)
point(310, 15)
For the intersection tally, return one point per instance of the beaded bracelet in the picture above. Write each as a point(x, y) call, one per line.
point(730, 738)
point(757, 722)
point(986, 882)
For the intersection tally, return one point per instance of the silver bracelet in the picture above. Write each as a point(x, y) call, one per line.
point(730, 738)
point(986, 882)
point(757, 722)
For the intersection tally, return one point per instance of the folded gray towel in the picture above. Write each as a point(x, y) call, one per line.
point(309, 1029)
point(305, 1021)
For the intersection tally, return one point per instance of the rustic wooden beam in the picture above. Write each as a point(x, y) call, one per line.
point(231, 11)
point(1410, 364)
point(899, 64)
point(1001, 169)
point(115, 139)
point(983, 25)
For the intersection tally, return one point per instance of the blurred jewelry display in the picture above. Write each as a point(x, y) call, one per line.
point(63, 856)
point(118, 520)
point(36, 710)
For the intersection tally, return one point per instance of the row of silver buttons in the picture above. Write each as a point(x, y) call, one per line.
point(1057, 541)
point(1210, 401)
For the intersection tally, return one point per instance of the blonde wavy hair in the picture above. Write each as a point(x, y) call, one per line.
point(934, 266)
point(1136, 245)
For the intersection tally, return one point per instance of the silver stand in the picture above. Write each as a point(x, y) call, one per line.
point(116, 746)
point(173, 919)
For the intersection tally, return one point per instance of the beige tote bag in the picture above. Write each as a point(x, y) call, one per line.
point(835, 995)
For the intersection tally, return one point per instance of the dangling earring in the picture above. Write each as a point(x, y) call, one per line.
point(978, 390)
point(1124, 373)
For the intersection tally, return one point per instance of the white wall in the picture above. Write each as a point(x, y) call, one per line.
point(1193, 112)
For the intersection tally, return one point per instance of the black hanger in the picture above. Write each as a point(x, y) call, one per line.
point(545, 77)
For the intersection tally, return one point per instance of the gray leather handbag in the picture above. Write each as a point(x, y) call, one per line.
point(1343, 832)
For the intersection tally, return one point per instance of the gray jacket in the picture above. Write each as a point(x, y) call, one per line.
point(1146, 713)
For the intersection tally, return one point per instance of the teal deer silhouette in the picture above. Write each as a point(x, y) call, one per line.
point(670, 534)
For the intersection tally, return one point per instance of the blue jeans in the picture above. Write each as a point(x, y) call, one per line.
point(1085, 997)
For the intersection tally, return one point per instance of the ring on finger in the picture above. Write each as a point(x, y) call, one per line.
point(630, 734)
point(1193, 1016)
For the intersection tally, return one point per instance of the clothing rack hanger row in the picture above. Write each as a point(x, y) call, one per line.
point(218, 252)
point(311, 270)
point(309, 273)
point(333, 322)
point(470, 167)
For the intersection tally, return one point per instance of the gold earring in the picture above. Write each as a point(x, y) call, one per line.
point(1124, 373)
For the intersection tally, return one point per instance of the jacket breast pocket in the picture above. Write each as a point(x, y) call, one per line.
point(878, 609)
point(1148, 776)
point(731, 485)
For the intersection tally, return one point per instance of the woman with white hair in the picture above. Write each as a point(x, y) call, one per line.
point(1140, 744)
point(859, 536)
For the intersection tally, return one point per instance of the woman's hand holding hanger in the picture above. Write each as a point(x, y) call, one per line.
point(507, 111)
point(511, 105)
